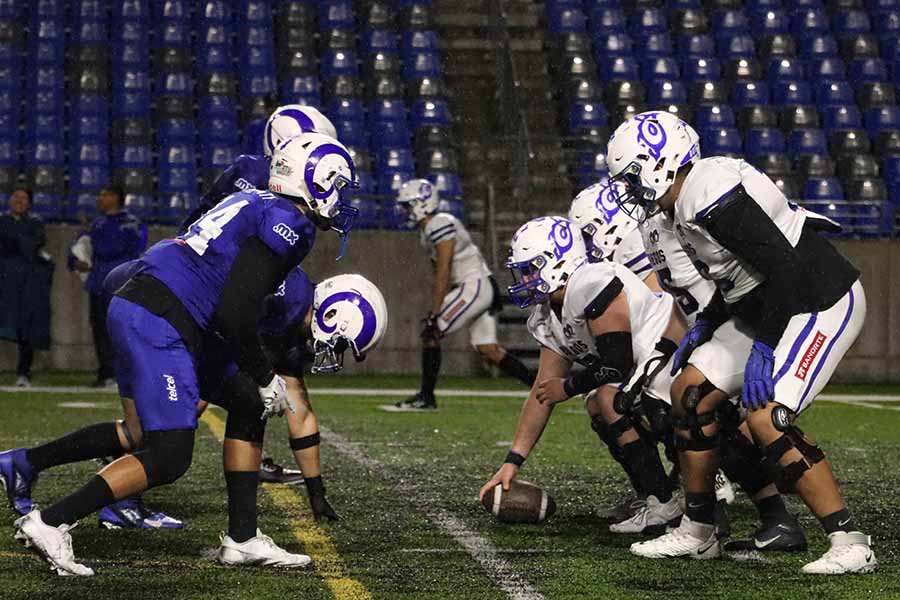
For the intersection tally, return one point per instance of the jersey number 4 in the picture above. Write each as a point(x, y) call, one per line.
point(210, 225)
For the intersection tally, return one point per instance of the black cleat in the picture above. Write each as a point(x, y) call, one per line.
point(785, 536)
point(270, 472)
point(417, 401)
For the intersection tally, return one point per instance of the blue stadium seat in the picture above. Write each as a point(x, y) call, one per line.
point(173, 207)
point(449, 185)
point(257, 83)
point(819, 46)
point(175, 84)
point(89, 127)
point(567, 20)
point(791, 93)
point(129, 56)
point(826, 69)
point(261, 58)
point(806, 142)
point(808, 23)
point(660, 68)
point(867, 70)
point(785, 69)
point(131, 9)
point(666, 92)
point(90, 32)
point(346, 108)
point(430, 112)
point(387, 109)
point(368, 216)
point(586, 115)
point(823, 188)
point(130, 31)
point(214, 57)
point(173, 9)
point(219, 130)
point(847, 23)
point(747, 93)
point(394, 159)
point(172, 131)
point(645, 21)
point(731, 23)
point(254, 11)
point(713, 116)
point(48, 205)
point(763, 141)
point(388, 183)
point(351, 132)
point(9, 153)
point(655, 45)
point(300, 89)
point(218, 155)
point(140, 205)
point(619, 68)
point(701, 69)
point(86, 177)
point(45, 77)
point(840, 117)
point(834, 93)
point(422, 64)
point(131, 104)
point(44, 126)
point(128, 156)
point(217, 106)
point(366, 182)
point(735, 47)
point(608, 19)
point(420, 41)
point(890, 168)
point(174, 34)
point(882, 118)
point(613, 44)
point(338, 62)
point(216, 11)
point(721, 141)
point(888, 24)
point(769, 22)
point(177, 168)
point(11, 9)
point(697, 45)
point(336, 14)
point(255, 35)
point(44, 152)
point(390, 133)
point(377, 40)
point(213, 34)
point(89, 153)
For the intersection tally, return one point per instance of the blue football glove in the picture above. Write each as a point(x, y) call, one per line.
point(759, 387)
point(699, 333)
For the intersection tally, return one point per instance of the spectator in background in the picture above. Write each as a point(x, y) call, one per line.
point(26, 273)
point(115, 237)
point(253, 132)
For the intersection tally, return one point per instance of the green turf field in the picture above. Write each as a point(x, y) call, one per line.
point(386, 546)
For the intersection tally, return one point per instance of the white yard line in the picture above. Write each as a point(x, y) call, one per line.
point(449, 392)
point(480, 549)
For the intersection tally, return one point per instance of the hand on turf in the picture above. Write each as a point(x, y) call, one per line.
point(699, 333)
point(275, 398)
point(503, 477)
point(759, 387)
point(321, 508)
point(552, 391)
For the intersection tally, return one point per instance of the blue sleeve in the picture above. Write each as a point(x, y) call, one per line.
point(286, 232)
point(113, 239)
point(288, 306)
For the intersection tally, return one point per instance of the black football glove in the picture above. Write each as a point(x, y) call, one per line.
point(430, 329)
point(322, 509)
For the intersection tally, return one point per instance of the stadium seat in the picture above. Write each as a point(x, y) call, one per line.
point(655, 45)
point(799, 117)
point(336, 14)
point(422, 64)
point(613, 44)
point(449, 185)
point(824, 188)
point(723, 141)
point(660, 68)
point(713, 116)
point(791, 93)
point(338, 62)
point(701, 69)
point(833, 93)
point(697, 46)
point(819, 46)
point(430, 112)
point(854, 167)
point(763, 141)
point(881, 118)
point(849, 142)
point(826, 69)
point(840, 117)
point(378, 40)
point(807, 141)
point(736, 47)
point(666, 92)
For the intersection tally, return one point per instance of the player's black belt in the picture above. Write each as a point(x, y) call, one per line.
point(151, 293)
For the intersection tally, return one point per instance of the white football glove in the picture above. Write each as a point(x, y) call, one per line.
point(275, 398)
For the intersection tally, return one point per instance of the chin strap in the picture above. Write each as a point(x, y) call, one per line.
point(344, 239)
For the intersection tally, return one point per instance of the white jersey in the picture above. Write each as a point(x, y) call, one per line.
point(630, 253)
point(570, 337)
point(710, 181)
point(674, 269)
point(467, 260)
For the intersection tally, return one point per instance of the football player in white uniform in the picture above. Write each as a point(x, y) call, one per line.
point(603, 317)
point(463, 292)
point(780, 282)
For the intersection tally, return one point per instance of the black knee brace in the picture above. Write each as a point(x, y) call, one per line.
point(166, 455)
point(786, 476)
point(245, 411)
point(742, 462)
point(694, 422)
point(657, 418)
point(610, 434)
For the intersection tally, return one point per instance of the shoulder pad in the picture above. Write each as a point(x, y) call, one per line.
point(601, 301)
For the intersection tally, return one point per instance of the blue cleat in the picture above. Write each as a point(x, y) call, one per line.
point(17, 477)
point(132, 514)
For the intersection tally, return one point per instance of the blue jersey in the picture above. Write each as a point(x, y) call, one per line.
point(195, 266)
point(287, 307)
point(115, 239)
point(249, 172)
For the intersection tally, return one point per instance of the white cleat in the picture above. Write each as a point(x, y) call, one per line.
point(54, 544)
point(651, 514)
point(259, 551)
point(849, 553)
point(724, 489)
point(696, 540)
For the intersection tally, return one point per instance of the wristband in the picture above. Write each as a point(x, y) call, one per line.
point(514, 458)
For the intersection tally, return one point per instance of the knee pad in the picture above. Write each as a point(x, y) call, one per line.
point(786, 476)
point(245, 426)
point(742, 462)
point(245, 411)
point(610, 434)
point(694, 422)
point(166, 455)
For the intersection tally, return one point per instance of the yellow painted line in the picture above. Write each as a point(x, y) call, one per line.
point(327, 560)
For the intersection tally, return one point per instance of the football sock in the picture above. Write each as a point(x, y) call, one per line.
point(431, 366)
point(772, 510)
point(241, 487)
point(700, 507)
point(644, 462)
point(93, 441)
point(513, 367)
point(92, 497)
point(841, 520)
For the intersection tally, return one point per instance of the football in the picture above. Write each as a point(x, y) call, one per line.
point(523, 502)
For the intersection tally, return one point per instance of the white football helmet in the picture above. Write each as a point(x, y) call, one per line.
point(293, 119)
point(601, 220)
point(314, 168)
point(348, 312)
point(419, 197)
point(542, 256)
point(645, 153)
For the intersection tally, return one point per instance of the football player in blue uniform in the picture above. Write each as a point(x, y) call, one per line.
point(212, 279)
point(251, 171)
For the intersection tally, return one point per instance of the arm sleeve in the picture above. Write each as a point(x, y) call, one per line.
point(122, 239)
point(716, 312)
point(256, 271)
point(742, 227)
